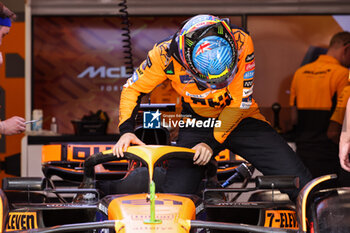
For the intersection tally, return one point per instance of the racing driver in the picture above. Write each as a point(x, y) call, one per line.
point(210, 64)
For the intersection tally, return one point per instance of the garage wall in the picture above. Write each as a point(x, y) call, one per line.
point(171, 7)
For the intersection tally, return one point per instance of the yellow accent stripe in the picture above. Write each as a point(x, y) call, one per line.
point(305, 196)
point(226, 26)
point(181, 42)
point(210, 76)
point(1, 217)
point(119, 226)
point(105, 152)
point(186, 224)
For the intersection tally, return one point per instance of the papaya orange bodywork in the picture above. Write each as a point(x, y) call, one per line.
point(132, 210)
point(51, 153)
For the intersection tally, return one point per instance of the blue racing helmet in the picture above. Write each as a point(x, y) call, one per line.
point(208, 50)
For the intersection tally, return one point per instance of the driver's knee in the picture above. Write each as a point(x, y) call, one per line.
point(182, 176)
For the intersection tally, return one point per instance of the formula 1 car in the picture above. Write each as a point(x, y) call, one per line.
point(36, 205)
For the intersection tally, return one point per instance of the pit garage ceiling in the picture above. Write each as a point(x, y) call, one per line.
point(190, 7)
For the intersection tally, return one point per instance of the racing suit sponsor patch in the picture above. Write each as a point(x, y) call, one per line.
point(249, 74)
point(139, 71)
point(246, 102)
point(198, 95)
point(247, 91)
point(248, 83)
point(250, 57)
point(245, 105)
point(148, 61)
point(250, 66)
point(248, 99)
point(131, 80)
point(170, 69)
point(144, 65)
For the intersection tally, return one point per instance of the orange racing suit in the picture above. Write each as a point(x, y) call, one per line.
point(229, 105)
point(243, 130)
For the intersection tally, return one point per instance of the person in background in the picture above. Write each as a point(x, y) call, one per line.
point(6, 17)
point(314, 92)
point(211, 65)
point(15, 124)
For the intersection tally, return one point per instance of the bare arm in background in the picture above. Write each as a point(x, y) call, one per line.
point(344, 144)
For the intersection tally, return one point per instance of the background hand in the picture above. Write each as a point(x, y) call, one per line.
point(13, 125)
point(345, 163)
point(124, 142)
point(203, 153)
point(344, 149)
